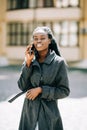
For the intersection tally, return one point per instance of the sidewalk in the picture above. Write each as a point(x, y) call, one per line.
point(73, 112)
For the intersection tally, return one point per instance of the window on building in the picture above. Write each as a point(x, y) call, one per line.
point(32, 3)
point(18, 34)
point(11, 4)
point(40, 3)
point(17, 4)
point(67, 3)
point(35, 3)
point(23, 4)
point(48, 3)
point(74, 3)
point(66, 33)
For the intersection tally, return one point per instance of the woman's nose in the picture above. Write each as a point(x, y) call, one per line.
point(39, 40)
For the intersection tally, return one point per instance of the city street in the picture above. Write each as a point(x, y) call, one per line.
point(73, 109)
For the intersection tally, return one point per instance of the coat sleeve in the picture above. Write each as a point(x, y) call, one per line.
point(23, 81)
point(61, 89)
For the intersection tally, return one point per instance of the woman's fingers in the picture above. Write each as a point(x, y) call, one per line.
point(32, 94)
point(29, 97)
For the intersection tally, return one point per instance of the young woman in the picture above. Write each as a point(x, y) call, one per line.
point(44, 78)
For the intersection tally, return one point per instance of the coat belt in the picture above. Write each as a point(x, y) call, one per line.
point(16, 96)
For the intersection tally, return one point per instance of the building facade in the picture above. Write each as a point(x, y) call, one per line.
point(66, 18)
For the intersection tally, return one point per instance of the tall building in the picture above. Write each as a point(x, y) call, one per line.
point(66, 18)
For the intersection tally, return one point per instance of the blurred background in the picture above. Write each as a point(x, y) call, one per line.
point(68, 21)
point(66, 18)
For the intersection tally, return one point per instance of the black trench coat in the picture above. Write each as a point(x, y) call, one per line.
point(52, 77)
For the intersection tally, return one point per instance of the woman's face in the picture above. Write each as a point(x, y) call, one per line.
point(41, 41)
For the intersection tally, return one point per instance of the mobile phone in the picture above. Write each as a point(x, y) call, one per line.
point(32, 49)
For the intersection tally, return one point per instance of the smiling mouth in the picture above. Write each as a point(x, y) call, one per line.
point(39, 45)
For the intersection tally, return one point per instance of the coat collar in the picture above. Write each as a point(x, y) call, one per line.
point(48, 59)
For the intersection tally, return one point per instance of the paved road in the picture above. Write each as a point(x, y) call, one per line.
point(8, 81)
point(73, 109)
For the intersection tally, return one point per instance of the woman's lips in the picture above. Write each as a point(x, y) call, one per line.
point(39, 45)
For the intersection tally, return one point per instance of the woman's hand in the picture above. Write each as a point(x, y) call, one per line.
point(29, 55)
point(33, 93)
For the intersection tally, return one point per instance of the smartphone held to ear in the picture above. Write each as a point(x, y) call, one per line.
point(32, 49)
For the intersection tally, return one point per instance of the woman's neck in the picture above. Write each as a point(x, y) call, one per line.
point(42, 55)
